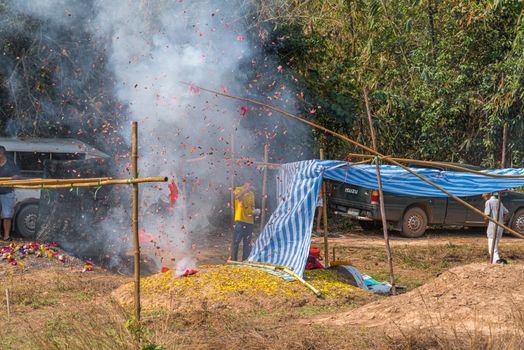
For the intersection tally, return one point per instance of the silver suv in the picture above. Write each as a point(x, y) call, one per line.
point(29, 154)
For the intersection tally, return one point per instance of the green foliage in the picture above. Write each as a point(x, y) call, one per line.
point(153, 346)
point(442, 76)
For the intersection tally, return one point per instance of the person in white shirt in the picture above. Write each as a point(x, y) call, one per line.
point(492, 203)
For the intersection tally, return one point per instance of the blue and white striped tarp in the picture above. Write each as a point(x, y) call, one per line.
point(286, 237)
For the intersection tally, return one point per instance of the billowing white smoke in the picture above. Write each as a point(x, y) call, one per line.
point(154, 46)
point(151, 47)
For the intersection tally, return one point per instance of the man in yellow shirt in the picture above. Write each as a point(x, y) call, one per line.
point(244, 220)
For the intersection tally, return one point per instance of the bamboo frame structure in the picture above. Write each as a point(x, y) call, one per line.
point(377, 154)
point(98, 182)
point(381, 197)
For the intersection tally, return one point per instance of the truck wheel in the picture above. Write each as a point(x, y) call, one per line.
point(414, 223)
point(26, 220)
point(517, 223)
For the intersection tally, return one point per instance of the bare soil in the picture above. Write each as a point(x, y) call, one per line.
point(466, 299)
point(360, 238)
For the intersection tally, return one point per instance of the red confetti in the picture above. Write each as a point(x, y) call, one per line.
point(189, 272)
point(194, 89)
point(173, 193)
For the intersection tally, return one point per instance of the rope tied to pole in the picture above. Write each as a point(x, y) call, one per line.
point(96, 191)
point(376, 160)
point(48, 192)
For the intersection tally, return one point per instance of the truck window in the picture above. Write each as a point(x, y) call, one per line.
point(31, 163)
point(68, 156)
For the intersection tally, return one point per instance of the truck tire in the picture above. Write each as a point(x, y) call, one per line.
point(517, 223)
point(414, 222)
point(25, 220)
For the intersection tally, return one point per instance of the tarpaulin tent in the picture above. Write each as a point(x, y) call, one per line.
point(286, 237)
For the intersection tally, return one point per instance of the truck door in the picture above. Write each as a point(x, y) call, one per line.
point(473, 218)
point(456, 213)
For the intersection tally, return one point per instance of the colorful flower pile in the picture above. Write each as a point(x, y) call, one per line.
point(15, 252)
point(88, 266)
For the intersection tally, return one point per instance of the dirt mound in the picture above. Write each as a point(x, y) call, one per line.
point(472, 298)
point(236, 287)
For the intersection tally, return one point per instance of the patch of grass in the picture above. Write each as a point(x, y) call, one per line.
point(313, 310)
point(262, 313)
point(381, 274)
point(39, 301)
point(85, 295)
point(411, 259)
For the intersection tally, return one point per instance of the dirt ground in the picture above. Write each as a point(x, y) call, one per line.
point(465, 299)
point(452, 299)
point(359, 238)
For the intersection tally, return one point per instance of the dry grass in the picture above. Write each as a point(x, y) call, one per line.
point(416, 265)
point(63, 309)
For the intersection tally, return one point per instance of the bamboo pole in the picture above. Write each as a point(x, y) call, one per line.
point(247, 159)
point(324, 216)
point(8, 304)
point(52, 181)
point(357, 144)
point(499, 203)
point(88, 184)
point(301, 280)
point(504, 140)
point(136, 241)
point(361, 162)
point(439, 164)
point(381, 197)
point(264, 188)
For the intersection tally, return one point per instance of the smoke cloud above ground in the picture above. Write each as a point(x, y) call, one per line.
point(151, 47)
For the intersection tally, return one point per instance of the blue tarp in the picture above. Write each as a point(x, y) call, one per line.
point(286, 237)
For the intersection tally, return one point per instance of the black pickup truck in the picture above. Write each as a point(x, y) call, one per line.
point(411, 215)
